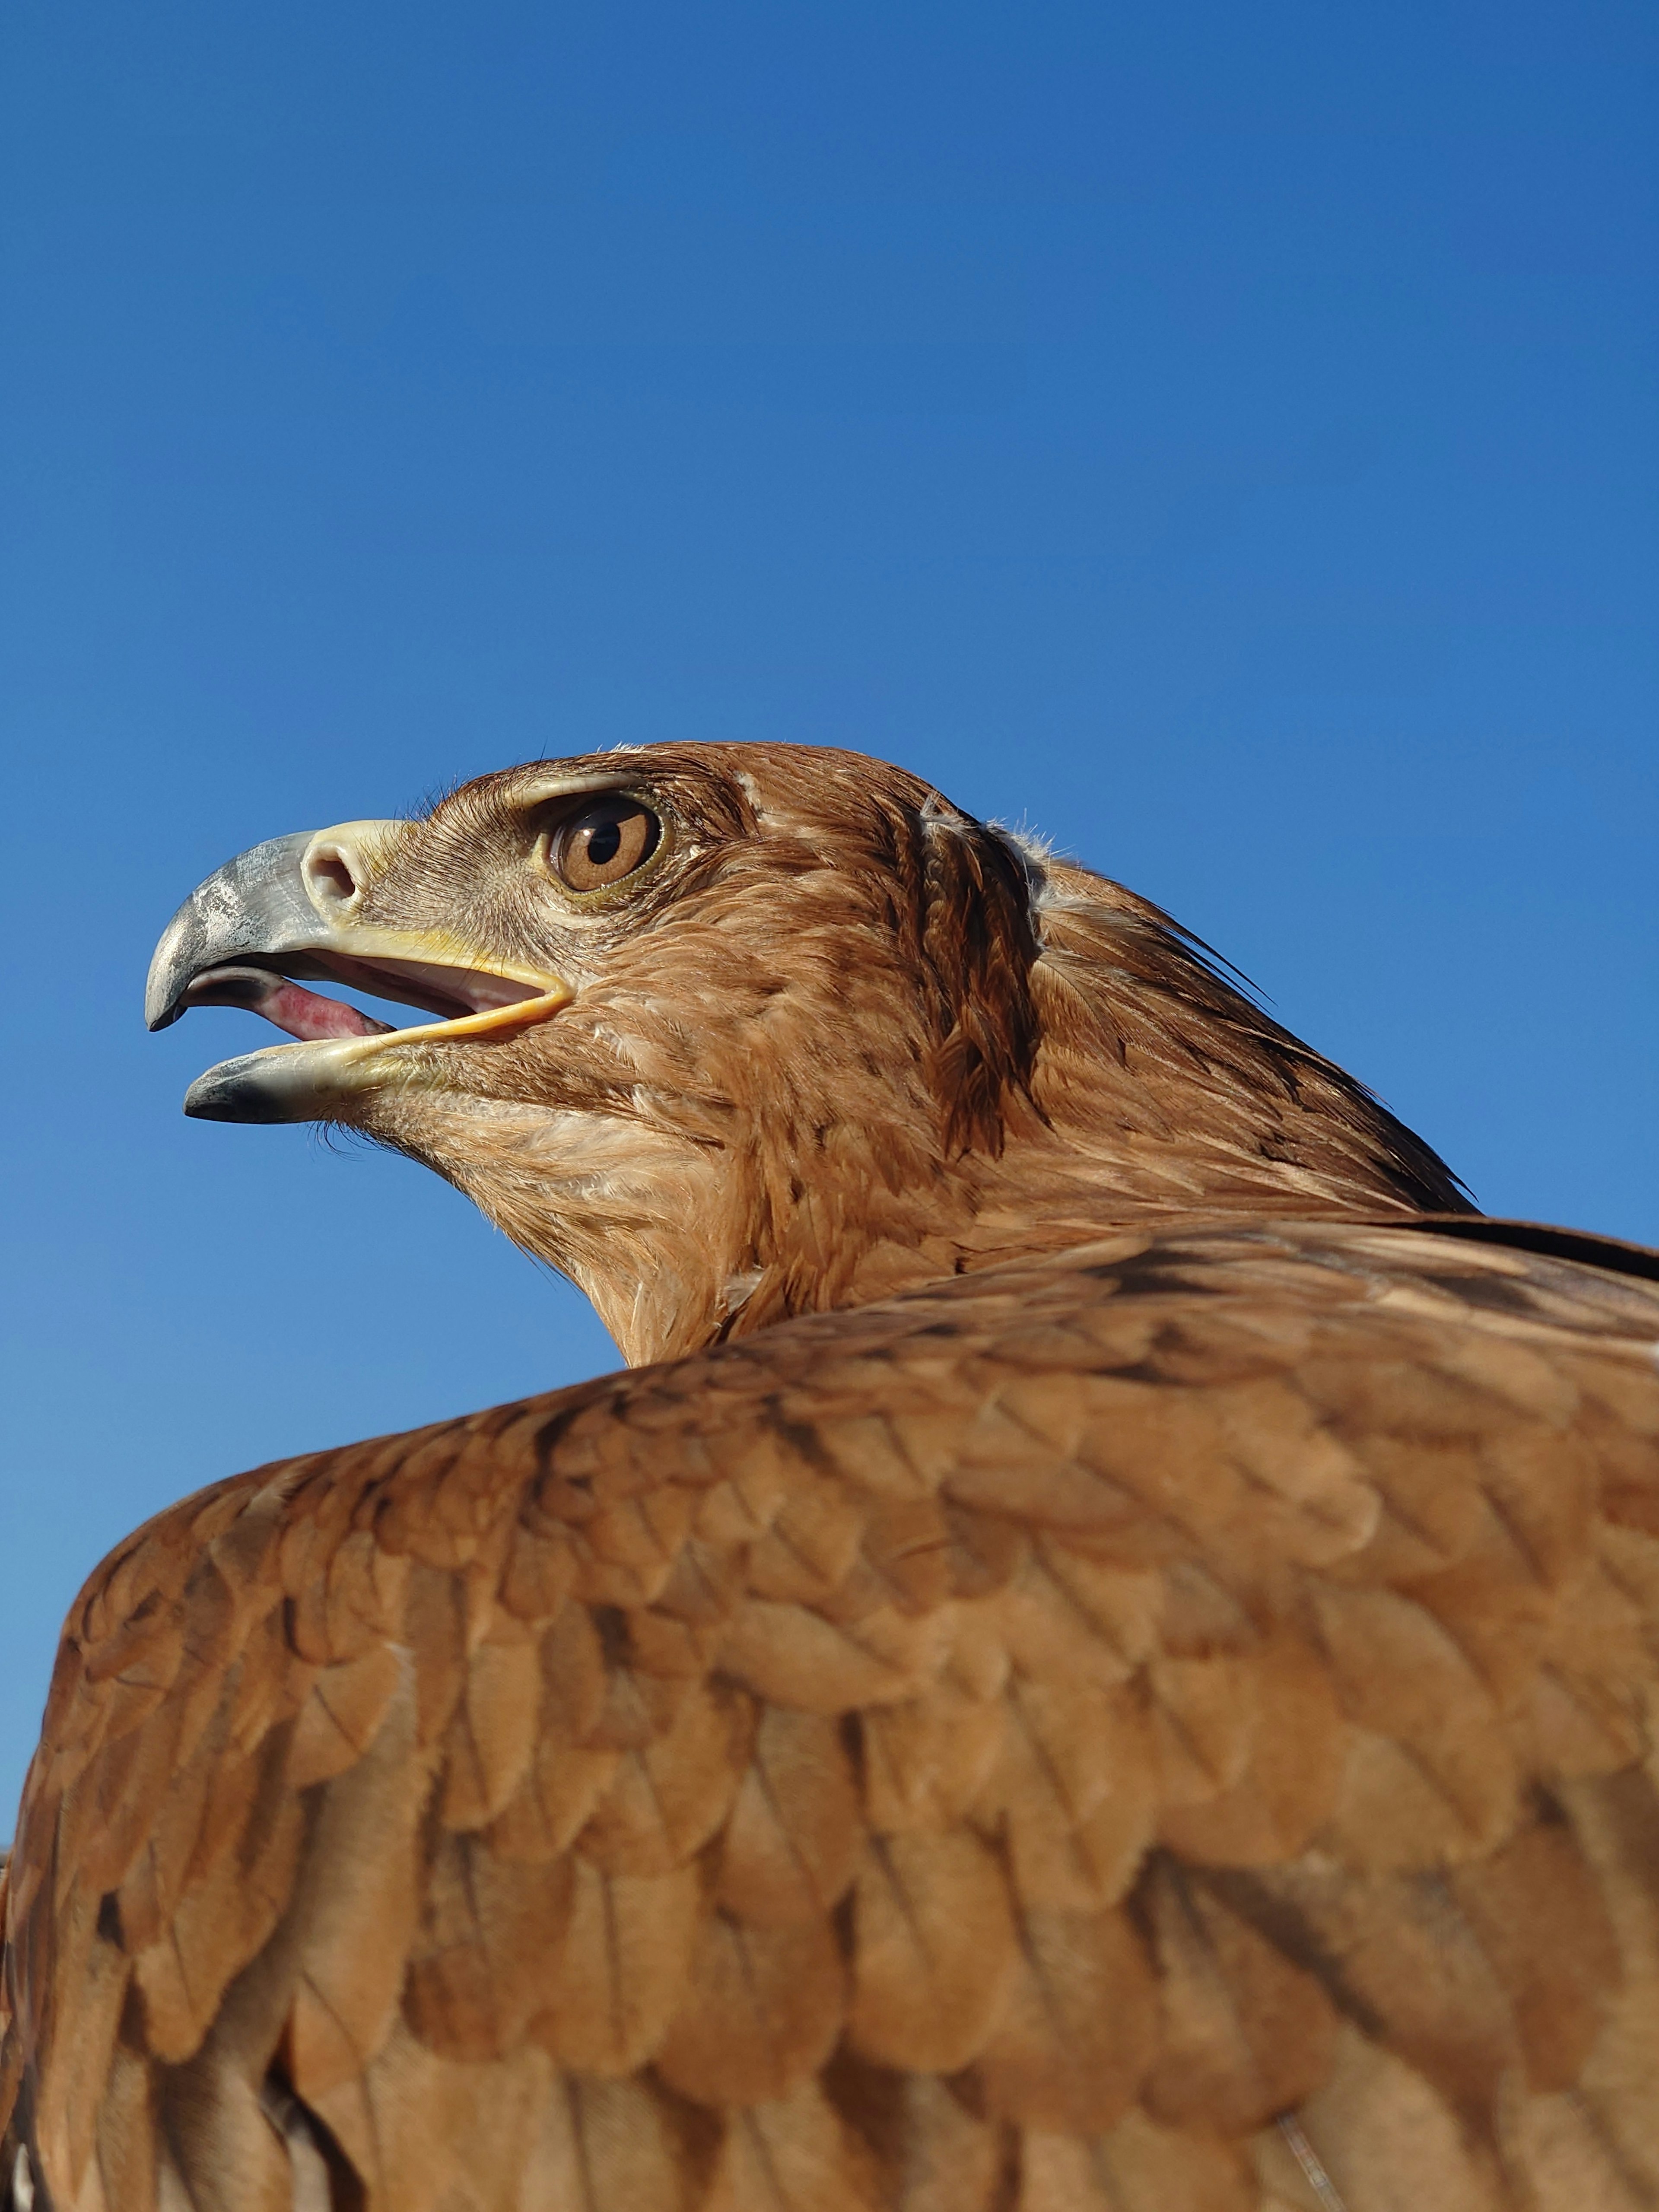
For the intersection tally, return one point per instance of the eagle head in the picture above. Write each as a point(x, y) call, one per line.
point(727, 1032)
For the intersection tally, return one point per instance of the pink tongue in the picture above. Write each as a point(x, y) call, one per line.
point(302, 1013)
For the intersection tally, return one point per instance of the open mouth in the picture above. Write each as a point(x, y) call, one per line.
point(456, 997)
point(338, 1050)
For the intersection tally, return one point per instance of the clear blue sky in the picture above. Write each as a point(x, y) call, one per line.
point(1223, 435)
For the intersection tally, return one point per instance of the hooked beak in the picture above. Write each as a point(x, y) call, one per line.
point(290, 909)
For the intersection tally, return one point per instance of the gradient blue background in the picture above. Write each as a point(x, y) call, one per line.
point(1224, 436)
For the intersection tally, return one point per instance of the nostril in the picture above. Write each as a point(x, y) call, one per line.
point(331, 878)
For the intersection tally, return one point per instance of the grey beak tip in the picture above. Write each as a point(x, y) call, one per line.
point(256, 904)
point(230, 1092)
point(170, 967)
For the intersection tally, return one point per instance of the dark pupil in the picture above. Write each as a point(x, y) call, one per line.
point(604, 843)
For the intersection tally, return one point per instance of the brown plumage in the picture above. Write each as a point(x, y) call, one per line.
point(1102, 1660)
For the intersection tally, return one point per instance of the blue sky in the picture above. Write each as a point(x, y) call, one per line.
point(1225, 437)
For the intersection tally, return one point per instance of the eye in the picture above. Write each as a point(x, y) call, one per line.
point(604, 843)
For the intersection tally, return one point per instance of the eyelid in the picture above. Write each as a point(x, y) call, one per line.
point(558, 813)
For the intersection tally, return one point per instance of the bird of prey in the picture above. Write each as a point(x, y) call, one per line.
point(1103, 1655)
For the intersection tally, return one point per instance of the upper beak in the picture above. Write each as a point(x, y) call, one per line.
point(291, 908)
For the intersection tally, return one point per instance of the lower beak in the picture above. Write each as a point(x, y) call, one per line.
point(277, 912)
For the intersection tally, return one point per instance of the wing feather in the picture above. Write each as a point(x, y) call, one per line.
point(1003, 1748)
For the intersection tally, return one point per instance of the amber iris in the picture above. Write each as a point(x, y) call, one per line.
point(604, 844)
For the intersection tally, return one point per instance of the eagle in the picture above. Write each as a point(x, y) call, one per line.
point(1101, 1655)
